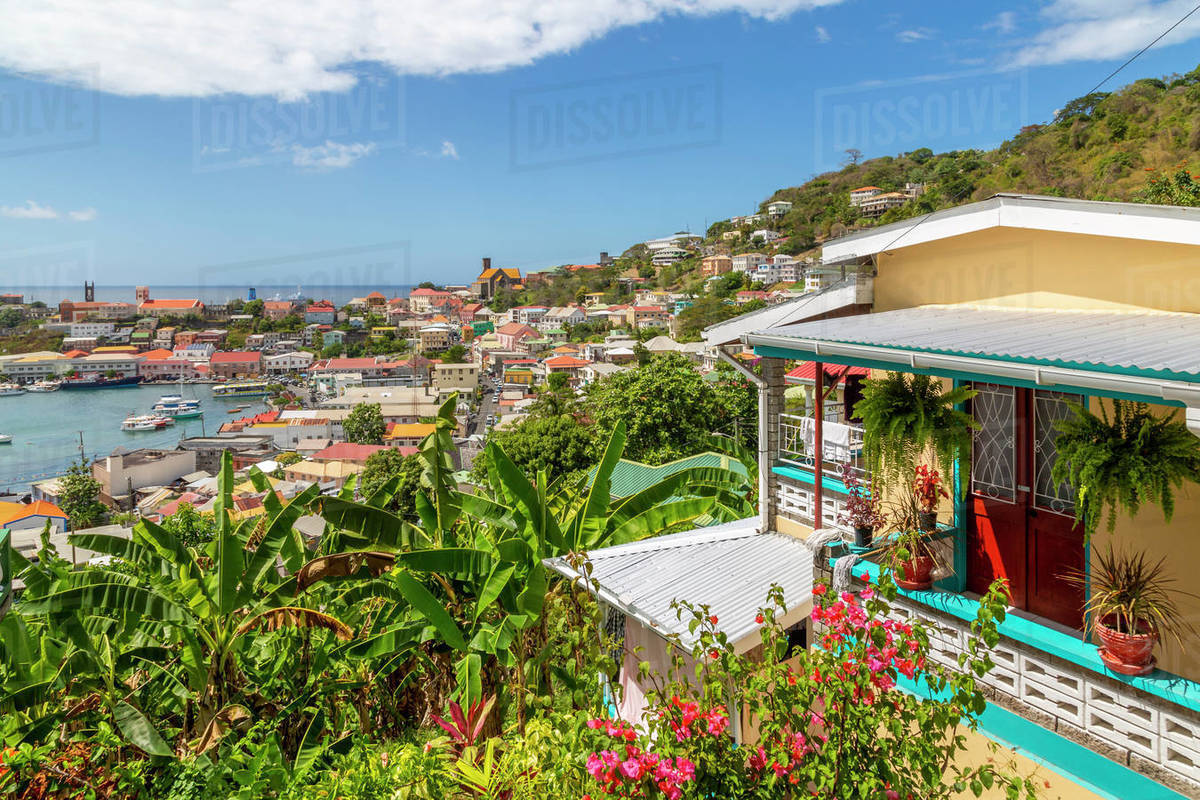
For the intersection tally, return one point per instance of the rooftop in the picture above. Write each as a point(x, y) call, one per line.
point(643, 578)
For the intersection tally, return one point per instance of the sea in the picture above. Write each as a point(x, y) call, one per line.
point(338, 294)
point(51, 429)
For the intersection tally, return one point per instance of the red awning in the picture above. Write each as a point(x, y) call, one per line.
point(806, 372)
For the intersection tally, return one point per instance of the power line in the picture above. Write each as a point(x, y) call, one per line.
point(1110, 76)
point(1147, 47)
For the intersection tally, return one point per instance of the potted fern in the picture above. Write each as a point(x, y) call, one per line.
point(1121, 462)
point(905, 416)
point(1129, 608)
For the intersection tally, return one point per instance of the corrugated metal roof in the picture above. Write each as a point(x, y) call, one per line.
point(853, 290)
point(629, 477)
point(728, 567)
point(1135, 342)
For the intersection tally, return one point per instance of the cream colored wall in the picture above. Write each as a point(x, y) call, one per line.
point(1084, 271)
point(1179, 543)
point(1040, 269)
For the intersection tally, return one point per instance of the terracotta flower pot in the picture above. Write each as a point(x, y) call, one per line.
point(927, 521)
point(918, 573)
point(862, 536)
point(1126, 653)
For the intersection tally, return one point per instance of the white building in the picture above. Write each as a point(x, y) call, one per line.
point(779, 208)
point(675, 240)
point(666, 256)
point(89, 328)
point(747, 262)
point(284, 363)
point(862, 193)
point(765, 234)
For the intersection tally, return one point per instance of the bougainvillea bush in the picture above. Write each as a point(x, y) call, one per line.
point(862, 714)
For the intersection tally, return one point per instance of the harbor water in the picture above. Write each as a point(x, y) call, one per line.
point(46, 427)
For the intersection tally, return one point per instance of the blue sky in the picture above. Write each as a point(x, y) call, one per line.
point(426, 142)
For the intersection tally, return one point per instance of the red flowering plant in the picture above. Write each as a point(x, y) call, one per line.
point(928, 488)
point(863, 713)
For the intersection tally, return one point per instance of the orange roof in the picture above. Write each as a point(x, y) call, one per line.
point(74, 353)
point(865, 189)
point(408, 430)
point(373, 295)
point(13, 512)
point(439, 318)
point(516, 329)
point(157, 355)
point(565, 362)
point(170, 304)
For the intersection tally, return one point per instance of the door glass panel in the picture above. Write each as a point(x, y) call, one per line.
point(1048, 409)
point(993, 469)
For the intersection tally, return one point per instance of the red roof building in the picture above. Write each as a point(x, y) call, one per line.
point(230, 364)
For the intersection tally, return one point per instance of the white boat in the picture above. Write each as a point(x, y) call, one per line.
point(174, 405)
point(5, 438)
point(145, 422)
point(45, 386)
point(9, 389)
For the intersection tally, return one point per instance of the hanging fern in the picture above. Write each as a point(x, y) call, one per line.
point(903, 416)
point(1135, 458)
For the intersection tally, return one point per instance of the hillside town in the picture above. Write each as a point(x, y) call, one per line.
point(879, 483)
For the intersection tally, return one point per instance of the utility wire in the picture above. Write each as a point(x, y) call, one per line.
point(1110, 76)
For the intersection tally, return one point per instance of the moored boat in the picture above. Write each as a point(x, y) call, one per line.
point(98, 382)
point(240, 389)
point(145, 422)
point(174, 405)
point(10, 389)
point(45, 386)
point(5, 438)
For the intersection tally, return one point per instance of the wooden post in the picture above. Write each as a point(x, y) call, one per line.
point(818, 443)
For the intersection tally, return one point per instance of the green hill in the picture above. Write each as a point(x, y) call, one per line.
point(1098, 147)
point(1133, 144)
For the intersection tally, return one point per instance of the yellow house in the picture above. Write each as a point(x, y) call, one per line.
point(1035, 303)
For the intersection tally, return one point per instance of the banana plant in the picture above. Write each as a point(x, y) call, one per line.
point(203, 607)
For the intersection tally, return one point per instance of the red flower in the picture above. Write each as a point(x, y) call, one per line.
point(758, 618)
point(819, 589)
point(714, 654)
point(713, 619)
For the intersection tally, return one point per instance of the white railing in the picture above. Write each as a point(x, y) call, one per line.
point(1155, 730)
point(842, 443)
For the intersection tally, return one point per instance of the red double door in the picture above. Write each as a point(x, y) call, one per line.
point(1022, 526)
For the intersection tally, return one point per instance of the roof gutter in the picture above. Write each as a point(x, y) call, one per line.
point(1182, 392)
point(764, 460)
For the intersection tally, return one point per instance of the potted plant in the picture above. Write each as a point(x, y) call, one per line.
point(906, 417)
point(911, 554)
point(1129, 608)
point(928, 491)
point(1122, 462)
point(862, 512)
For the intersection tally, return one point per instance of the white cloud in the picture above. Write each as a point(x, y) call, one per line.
point(210, 47)
point(31, 210)
point(1098, 30)
point(449, 150)
point(914, 35)
point(822, 34)
point(331, 155)
point(1004, 23)
point(35, 210)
